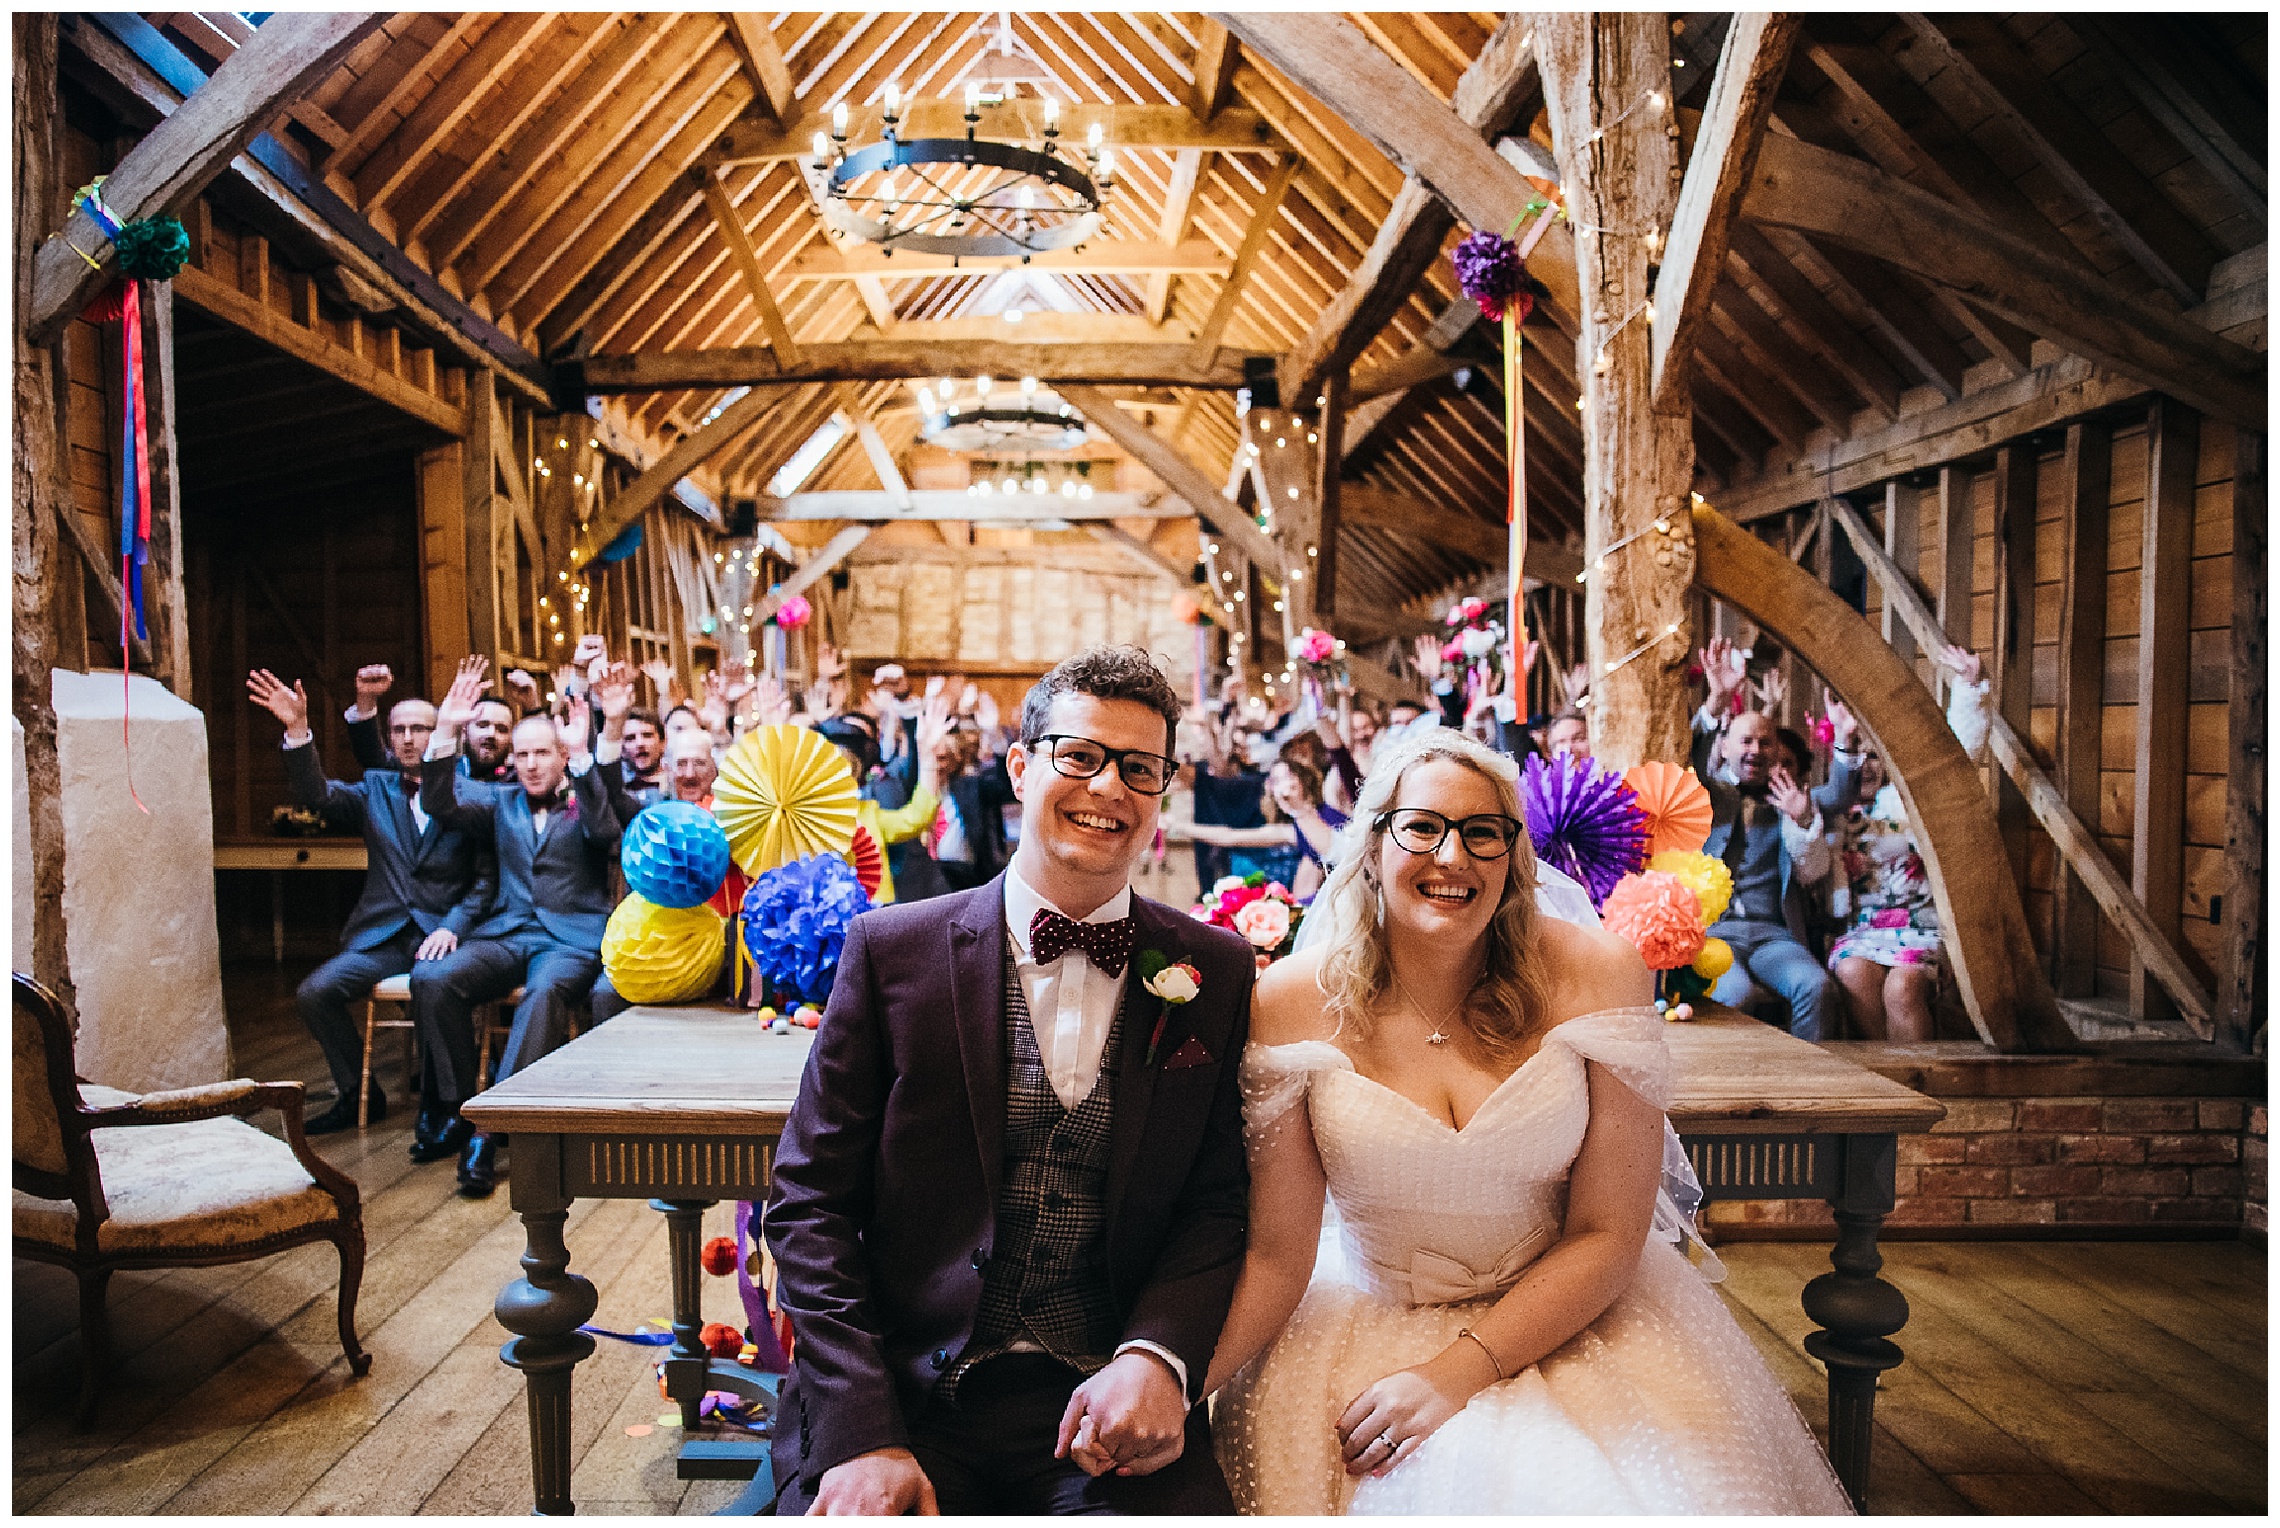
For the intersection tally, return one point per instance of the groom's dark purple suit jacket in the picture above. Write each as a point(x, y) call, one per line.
point(886, 1181)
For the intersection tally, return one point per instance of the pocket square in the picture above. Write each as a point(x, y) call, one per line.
point(1190, 1053)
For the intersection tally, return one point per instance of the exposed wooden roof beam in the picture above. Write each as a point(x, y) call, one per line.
point(1179, 206)
point(1765, 272)
point(894, 360)
point(686, 456)
point(956, 504)
point(380, 116)
point(1263, 217)
point(763, 62)
point(1097, 257)
point(1232, 130)
point(179, 157)
point(1856, 205)
point(1184, 479)
point(456, 94)
point(1725, 150)
point(1216, 55)
point(2071, 149)
point(731, 229)
point(2143, 58)
point(1330, 59)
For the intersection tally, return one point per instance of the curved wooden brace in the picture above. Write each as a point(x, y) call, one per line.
point(2001, 978)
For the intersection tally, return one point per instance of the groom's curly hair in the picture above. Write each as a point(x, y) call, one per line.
point(1105, 673)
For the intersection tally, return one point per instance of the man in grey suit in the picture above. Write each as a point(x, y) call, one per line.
point(556, 840)
point(425, 884)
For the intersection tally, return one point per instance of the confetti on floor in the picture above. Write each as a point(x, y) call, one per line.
point(639, 1430)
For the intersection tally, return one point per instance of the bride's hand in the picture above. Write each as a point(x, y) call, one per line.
point(1391, 1420)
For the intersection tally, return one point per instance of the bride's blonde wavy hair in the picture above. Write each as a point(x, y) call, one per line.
point(1507, 1004)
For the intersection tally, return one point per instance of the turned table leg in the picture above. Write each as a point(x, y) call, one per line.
point(1857, 1311)
point(688, 1360)
point(544, 1309)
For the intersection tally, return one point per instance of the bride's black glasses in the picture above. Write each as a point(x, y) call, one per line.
point(1421, 830)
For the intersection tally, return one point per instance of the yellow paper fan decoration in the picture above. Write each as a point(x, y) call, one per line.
point(784, 793)
point(662, 954)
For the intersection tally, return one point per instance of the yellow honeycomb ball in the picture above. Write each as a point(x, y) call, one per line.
point(661, 954)
point(1715, 959)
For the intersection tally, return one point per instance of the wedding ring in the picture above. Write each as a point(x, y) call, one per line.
point(1386, 1438)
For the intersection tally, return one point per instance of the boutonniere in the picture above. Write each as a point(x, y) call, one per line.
point(1174, 984)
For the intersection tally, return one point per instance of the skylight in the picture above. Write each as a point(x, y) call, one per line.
point(806, 459)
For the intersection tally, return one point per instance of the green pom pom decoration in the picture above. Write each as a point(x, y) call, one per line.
point(153, 249)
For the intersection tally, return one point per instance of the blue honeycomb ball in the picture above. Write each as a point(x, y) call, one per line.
point(674, 854)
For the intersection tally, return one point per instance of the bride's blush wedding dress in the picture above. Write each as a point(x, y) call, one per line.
point(1659, 1406)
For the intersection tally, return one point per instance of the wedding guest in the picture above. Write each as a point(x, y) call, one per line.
point(1888, 958)
point(887, 827)
point(1568, 736)
point(556, 840)
point(969, 832)
point(425, 886)
point(1295, 844)
point(642, 757)
point(1228, 793)
point(691, 773)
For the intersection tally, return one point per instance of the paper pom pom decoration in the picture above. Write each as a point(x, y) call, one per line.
point(719, 1256)
point(1583, 821)
point(674, 854)
point(152, 249)
point(1705, 875)
point(870, 864)
point(793, 613)
point(1490, 273)
point(1714, 959)
point(795, 923)
point(1316, 646)
point(1677, 808)
point(784, 793)
point(1658, 914)
point(661, 954)
point(720, 1339)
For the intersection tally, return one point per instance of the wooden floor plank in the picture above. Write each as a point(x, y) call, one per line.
point(2023, 1495)
point(2192, 1441)
point(2183, 1314)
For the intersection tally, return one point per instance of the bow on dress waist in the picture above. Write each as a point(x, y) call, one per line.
point(1435, 1278)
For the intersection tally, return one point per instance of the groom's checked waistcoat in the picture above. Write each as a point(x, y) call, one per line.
point(906, 1149)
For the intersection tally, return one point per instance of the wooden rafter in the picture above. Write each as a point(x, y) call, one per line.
point(1232, 130)
point(1725, 151)
point(1264, 215)
point(635, 499)
point(763, 62)
point(732, 234)
point(889, 360)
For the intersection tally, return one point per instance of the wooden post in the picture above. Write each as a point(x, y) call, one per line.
point(1903, 535)
point(479, 479)
point(2013, 669)
point(2242, 985)
point(2165, 584)
point(166, 605)
point(1955, 555)
point(1619, 163)
point(2086, 472)
point(1329, 463)
point(39, 565)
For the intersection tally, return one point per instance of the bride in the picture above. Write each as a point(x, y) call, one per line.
point(1479, 1089)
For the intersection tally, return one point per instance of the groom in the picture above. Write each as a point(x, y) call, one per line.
point(1010, 1201)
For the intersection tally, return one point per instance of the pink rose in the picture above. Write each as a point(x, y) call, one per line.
point(1316, 646)
point(1265, 923)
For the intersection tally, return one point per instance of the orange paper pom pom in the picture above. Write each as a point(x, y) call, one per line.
point(719, 1257)
point(1657, 912)
point(721, 1340)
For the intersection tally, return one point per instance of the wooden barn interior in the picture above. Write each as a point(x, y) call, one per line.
point(1852, 335)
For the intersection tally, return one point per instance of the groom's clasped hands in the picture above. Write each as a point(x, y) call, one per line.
point(1131, 1418)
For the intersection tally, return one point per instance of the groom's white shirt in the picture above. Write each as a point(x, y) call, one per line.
point(1072, 1002)
point(1072, 1007)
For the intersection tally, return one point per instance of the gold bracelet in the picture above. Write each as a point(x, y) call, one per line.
point(1466, 1331)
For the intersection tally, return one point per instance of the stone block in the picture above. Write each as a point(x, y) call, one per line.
point(2192, 1148)
point(2258, 1120)
point(2120, 1150)
point(2147, 1182)
point(2050, 1182)
point(2013, 1212)
point(1968, 1182)
point(1927, 1210)
point(1973, 1116)
point(2145, 1115)
point(1904, 1180)
point(2011, 1150)
point(2222, 1113)
point(138, 884)
point(2077, 1114)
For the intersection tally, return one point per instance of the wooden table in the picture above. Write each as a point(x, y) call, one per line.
point(683, 1106)
point(282, 854)
point(1764, 1115)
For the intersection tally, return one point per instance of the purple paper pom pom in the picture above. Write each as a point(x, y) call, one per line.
point(1584, 821)
point(1490, 273)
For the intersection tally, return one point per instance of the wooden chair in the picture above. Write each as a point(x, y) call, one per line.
point(106, 1180)
point(494, 1022)
point(396, 991)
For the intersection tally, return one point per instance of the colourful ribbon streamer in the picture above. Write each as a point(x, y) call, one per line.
point(769, 1355)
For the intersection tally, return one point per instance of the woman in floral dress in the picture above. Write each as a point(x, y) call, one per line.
point(1888, 958)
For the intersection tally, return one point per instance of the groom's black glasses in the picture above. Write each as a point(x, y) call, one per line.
point(1080, 758)
point(1422, 831)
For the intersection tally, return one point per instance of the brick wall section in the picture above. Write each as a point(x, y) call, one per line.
point(2079, 1148)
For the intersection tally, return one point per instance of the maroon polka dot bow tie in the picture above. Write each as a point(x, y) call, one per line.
point(1107, 945)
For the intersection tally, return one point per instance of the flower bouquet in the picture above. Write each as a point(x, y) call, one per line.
point(1666, 911)
point(1262, 911)
point(1476, 646)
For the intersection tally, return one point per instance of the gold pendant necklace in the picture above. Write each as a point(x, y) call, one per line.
point(1436, 1037)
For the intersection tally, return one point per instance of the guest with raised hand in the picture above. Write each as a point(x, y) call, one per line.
point(365, 744)
point(425, 887)
point(523, 691)
point(556, 843)
point(486, 737)
point(907, 821)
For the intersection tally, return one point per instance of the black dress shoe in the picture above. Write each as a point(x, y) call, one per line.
point(479, 1167)
point(455, 1136)
point(432, 1121)
point(342, 1115)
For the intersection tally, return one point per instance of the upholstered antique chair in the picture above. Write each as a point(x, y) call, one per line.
point(108, 1180)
